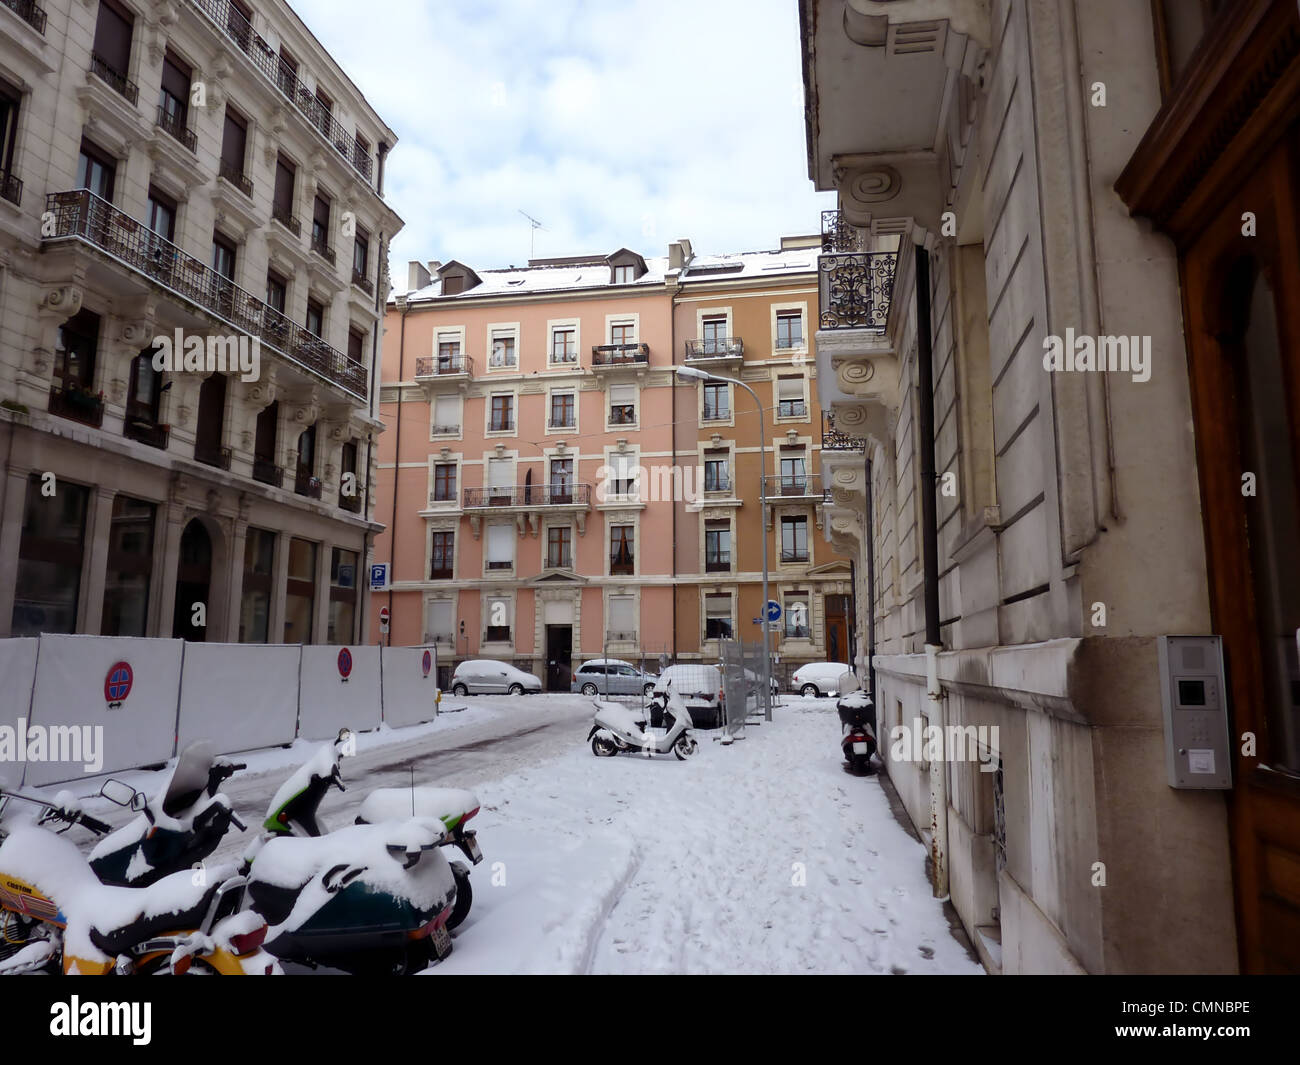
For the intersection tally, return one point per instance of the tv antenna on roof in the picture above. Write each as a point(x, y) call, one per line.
point(532, 236)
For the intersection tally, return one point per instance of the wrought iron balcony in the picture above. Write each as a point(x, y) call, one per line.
point(714, 413)
point(268, 472)
point(118, 82)
point(304, 484)
point(607, 355)
point(620, 636)
point(854, 289)
point(362, 282)
point(559, 560)
point(148, 432)
point(794, 554)
point(11, 188)
point(352, 503)
point(838, 235)
point(232, 22)
point(529, 495)
point(835, 440)
point(443, 365)
point(286, 219)
point(792, 485)
point(321, 247)
point(175, 126)
point(213, 456)
point(29, 12)
point(237, 178)
point(77, 405)
point(715, 348)
point(85, 217)
point(717, 484)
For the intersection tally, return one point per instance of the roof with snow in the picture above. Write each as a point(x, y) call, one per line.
point(588, 273)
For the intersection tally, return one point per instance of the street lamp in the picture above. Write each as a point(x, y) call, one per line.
point(694, 373)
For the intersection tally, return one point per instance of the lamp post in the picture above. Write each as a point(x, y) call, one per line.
point(695, 374)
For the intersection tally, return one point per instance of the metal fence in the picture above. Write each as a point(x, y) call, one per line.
point(742, 680)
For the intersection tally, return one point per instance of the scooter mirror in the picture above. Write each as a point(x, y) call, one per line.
point(115, 791)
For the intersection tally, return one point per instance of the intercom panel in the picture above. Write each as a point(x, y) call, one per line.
point(1198, 748)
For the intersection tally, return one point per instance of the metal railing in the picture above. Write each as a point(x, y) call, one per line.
point(563, 560)
point(235, 25)
point(29, 12)
point(569, 424)
point(791, 408)
point(237, 178)
point(717, 563)
point(84, 216)
point(287, 219)
point(794, 555)
point(118, 82)
point(620, 636)
point(530, 495)
point(834, 439)
point(77, 405)
point(717, 484)
point(150, 433)
point(786, 484)
point(268, 472)
point(351, 503)
point(363, 282)
point(715, 414)
point(838, 235)
point(320, 245)
point(855, 289)
point(442, 365)
point(445, 430)
point(718, 348)
point(619, 354)
point(213, 456)
point(304, 484)
point(501, 425)
point(11, 188)
point(175, 126)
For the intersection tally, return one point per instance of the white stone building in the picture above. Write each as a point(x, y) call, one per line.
point(200, 170)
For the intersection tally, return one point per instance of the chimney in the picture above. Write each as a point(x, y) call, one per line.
point(679, 254)
point(434, 266)
point(417, 277)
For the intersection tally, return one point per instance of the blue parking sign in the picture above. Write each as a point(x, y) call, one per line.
point(378, 576)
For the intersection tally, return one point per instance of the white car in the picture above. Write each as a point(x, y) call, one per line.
point(700, 687)
point(486, 676)
point(818, 678)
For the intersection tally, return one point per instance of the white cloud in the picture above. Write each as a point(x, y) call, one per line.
point(620, 122)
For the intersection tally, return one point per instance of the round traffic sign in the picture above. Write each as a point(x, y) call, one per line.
point(383, 614)
point(773, 610)
point(345, 663)
point(117, 684)
point(426, 663)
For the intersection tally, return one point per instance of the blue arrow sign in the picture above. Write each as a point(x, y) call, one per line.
point(773, 610)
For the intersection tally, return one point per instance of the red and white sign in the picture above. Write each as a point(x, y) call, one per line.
point(345, 663)
point(383, 618)
point(117, 684)
point(426, 663)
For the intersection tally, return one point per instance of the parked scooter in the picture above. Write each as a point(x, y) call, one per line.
point(56, 916)
point(857, 726)
point(619, 728)
point(369, 898)
point(175, 829)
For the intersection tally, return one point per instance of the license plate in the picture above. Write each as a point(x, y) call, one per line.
point(469, 844)
point(441, 942)
point(859, 748)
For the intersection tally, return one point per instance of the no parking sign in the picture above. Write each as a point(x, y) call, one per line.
point(117, 684)
point(345, 664)
point(426, 663)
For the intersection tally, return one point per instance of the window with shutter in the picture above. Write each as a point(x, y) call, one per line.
point(113, 37)
point(234, 144)
point(622, 617)
point(446, 415)
point(500, 546)
point(622, 404)
point(789, 394)
point(441, 621)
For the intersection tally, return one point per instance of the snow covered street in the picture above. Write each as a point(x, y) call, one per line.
point(761, 857)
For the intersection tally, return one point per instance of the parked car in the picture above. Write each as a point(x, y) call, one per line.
point(486, 676)
point(818, 678)
point(700, 687)
point(611, 676)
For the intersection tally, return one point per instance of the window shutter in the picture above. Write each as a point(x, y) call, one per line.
point(500, 543)
point(500, 474)
point(620, 395)
point(446, 411)
point(789, 388)
point(622, 613)
point(233, 143)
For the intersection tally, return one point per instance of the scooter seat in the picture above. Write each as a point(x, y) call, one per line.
point(448, 805)
point(173, 904)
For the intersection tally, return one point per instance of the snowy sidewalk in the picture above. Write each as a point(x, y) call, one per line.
point(764, 857)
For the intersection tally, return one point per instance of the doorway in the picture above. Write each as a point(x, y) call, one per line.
point(837, 629)
point(559, 657)
point(193, 583)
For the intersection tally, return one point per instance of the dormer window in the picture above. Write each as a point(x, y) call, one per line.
point(457, 278)
point(453, 284)
point(624, 275)
point(625, 267)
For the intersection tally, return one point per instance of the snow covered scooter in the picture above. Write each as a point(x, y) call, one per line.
point(56, 915)
point(619, 728)
point(857, 727)
point(175, 829)
point(366, 899)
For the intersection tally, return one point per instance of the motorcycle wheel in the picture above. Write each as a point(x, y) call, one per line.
point(685, 747)
point(602, 747)
point(464, 896)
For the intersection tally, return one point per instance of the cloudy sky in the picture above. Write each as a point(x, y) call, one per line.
point(614, 122)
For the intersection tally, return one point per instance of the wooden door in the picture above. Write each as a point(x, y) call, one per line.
point(1242, 309)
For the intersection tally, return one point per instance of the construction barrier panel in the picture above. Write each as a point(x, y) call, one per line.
point(410, 685)
point(17, 676)
point(239, 696)
point(103, 704)
point(337, 687)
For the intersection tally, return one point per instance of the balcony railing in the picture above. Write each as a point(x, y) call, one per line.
point(715, 414)
point(854, 289)
point(287, 219)
point(321, 247)
point(717, 484)
point(237, 178)
point(838, 235)
point(175, 126)
point(717, 563)
point(530, 495)
point(792, 408)
point(233, 23)
point(443, 365)
point(304, 484)
point(362, 282)
point(620, 354)
point(438, 572)
point(213, 456)
point(496, 634)
point(715, 348)
point(268, 472)
point(146, 432)
point(84, 216)
point(119, 83)
point(835, 440)
point(445, 430)
point(562, 560)
point(792, 484)
point(794, 554)
point(620, 636)
point(568, 423)
point(11, 188)
point(29, 12)
point(351, 503)
point(77, 405)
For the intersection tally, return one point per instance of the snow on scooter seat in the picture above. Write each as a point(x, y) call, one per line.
point(447, 805)
point(56, 868)
point(614, 715)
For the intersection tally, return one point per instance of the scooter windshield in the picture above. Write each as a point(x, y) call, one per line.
point(189, 778)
